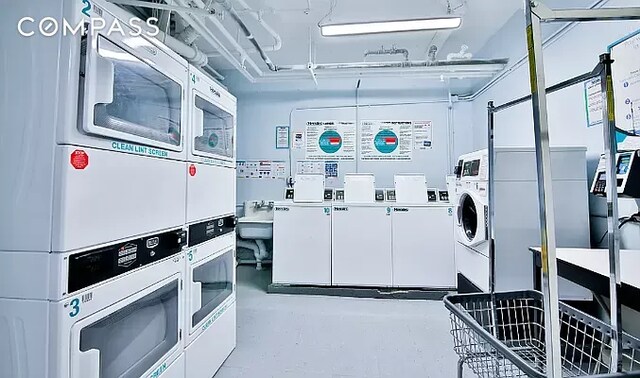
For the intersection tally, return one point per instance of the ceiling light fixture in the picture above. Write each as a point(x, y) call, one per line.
point(391, 26)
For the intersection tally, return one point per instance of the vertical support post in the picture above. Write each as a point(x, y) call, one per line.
point(545, 193)
point(491, 154)
point(610, 149)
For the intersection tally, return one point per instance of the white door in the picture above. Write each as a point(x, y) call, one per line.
point(361, 246)
point(130, 338)
point(213, 128)
point(211, 283)
point(423, 247)
point(131, 90)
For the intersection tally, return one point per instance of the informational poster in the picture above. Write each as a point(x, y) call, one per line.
point(386, 140)
point(298, 140)
point(593, 101)
point(282, 137)
point(330, 140)
point(261, 169)
point(626, 88)
point(422, 135)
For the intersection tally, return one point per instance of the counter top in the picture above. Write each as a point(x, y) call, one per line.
point(590, 268)
point(373, 204)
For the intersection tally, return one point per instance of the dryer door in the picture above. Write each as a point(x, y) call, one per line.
point(132, 90)
point(472, 217)
point(131, 338)
point(211, 283)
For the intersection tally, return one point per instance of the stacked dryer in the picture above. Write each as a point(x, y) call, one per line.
point(92, 200)
point(210, 207)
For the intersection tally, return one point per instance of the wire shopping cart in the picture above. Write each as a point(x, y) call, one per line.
point(507, 339)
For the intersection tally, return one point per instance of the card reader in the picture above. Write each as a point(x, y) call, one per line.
point(627, 175)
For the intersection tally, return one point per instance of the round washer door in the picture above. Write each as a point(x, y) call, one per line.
point(472, 215)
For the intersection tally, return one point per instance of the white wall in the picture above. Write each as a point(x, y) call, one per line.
point(258, 115)
point(575, 53)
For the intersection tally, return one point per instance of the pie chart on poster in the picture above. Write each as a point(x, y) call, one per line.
point(386, 141)
point(330, 142)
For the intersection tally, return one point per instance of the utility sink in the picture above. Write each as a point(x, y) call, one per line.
point(255, 228)
point(257, 224)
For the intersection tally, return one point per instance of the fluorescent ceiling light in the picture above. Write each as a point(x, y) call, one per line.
point(391, 26)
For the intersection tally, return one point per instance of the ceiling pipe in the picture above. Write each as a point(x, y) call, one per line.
point(471, 64)
point(201, 28)
point(236, 17)
point(392, 51)
point(258, 17)
point(190, 53)
point(169, 7)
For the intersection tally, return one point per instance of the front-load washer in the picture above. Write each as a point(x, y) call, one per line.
point(210, 284)
point(211, 167)
point(114, 311)
point(101, 153)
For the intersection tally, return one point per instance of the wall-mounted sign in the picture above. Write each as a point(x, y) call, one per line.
point(330, 140)
point(386, 140)
point(422, 135)
point(282, 137)
point(593, 101)
point(261, 169)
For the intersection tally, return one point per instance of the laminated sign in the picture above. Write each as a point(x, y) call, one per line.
point(386, 140)
point(330, 140)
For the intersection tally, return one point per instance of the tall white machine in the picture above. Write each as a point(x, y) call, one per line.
point(302, 235)
point(92, 200)
point(516, 221)
point(210, 217)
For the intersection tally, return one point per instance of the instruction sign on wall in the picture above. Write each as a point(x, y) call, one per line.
point(386, 140)
point(261, 169)
point(282, 137)
point(422, 134)
point(593, 101)
point(330, 140)
point(626, 88)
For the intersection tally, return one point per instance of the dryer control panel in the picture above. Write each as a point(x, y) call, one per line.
point(627, 175)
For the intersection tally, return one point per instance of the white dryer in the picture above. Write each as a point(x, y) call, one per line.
point(113, 311)
point(210, 285)
point(101, 150)
point(211, 167)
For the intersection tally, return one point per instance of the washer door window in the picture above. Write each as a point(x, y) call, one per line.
point(132, 91)
point(468, 217)
point(471, 220)
point(213, 130)
point(131, 340)
point(212, 284)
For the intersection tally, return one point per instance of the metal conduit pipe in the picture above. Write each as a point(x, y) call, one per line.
point(472, 64)
point(392, 51)
point(258, 16)
point(227, 5)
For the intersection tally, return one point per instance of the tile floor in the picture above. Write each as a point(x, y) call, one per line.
point(316, 337)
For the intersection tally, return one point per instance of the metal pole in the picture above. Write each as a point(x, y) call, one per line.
point(545, 193)
point(490, 216)
point(610, 149)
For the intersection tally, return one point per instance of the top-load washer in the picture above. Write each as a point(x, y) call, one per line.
point(211, 167)
point(100, 151)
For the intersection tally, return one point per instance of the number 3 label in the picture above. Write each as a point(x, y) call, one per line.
point(75, 305)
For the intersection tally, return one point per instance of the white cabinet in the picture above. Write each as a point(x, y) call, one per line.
point(361, 245)
point(302, 244)
point(423, 247)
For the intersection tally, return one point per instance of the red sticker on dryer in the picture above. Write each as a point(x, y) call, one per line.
point(79, 159)
point(192, 170)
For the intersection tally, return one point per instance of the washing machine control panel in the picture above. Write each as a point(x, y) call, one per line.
point(339, 194)
point(379, 195)
point(444, 196)
point(432, 195)
point(328, 194)
point(391, 195)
